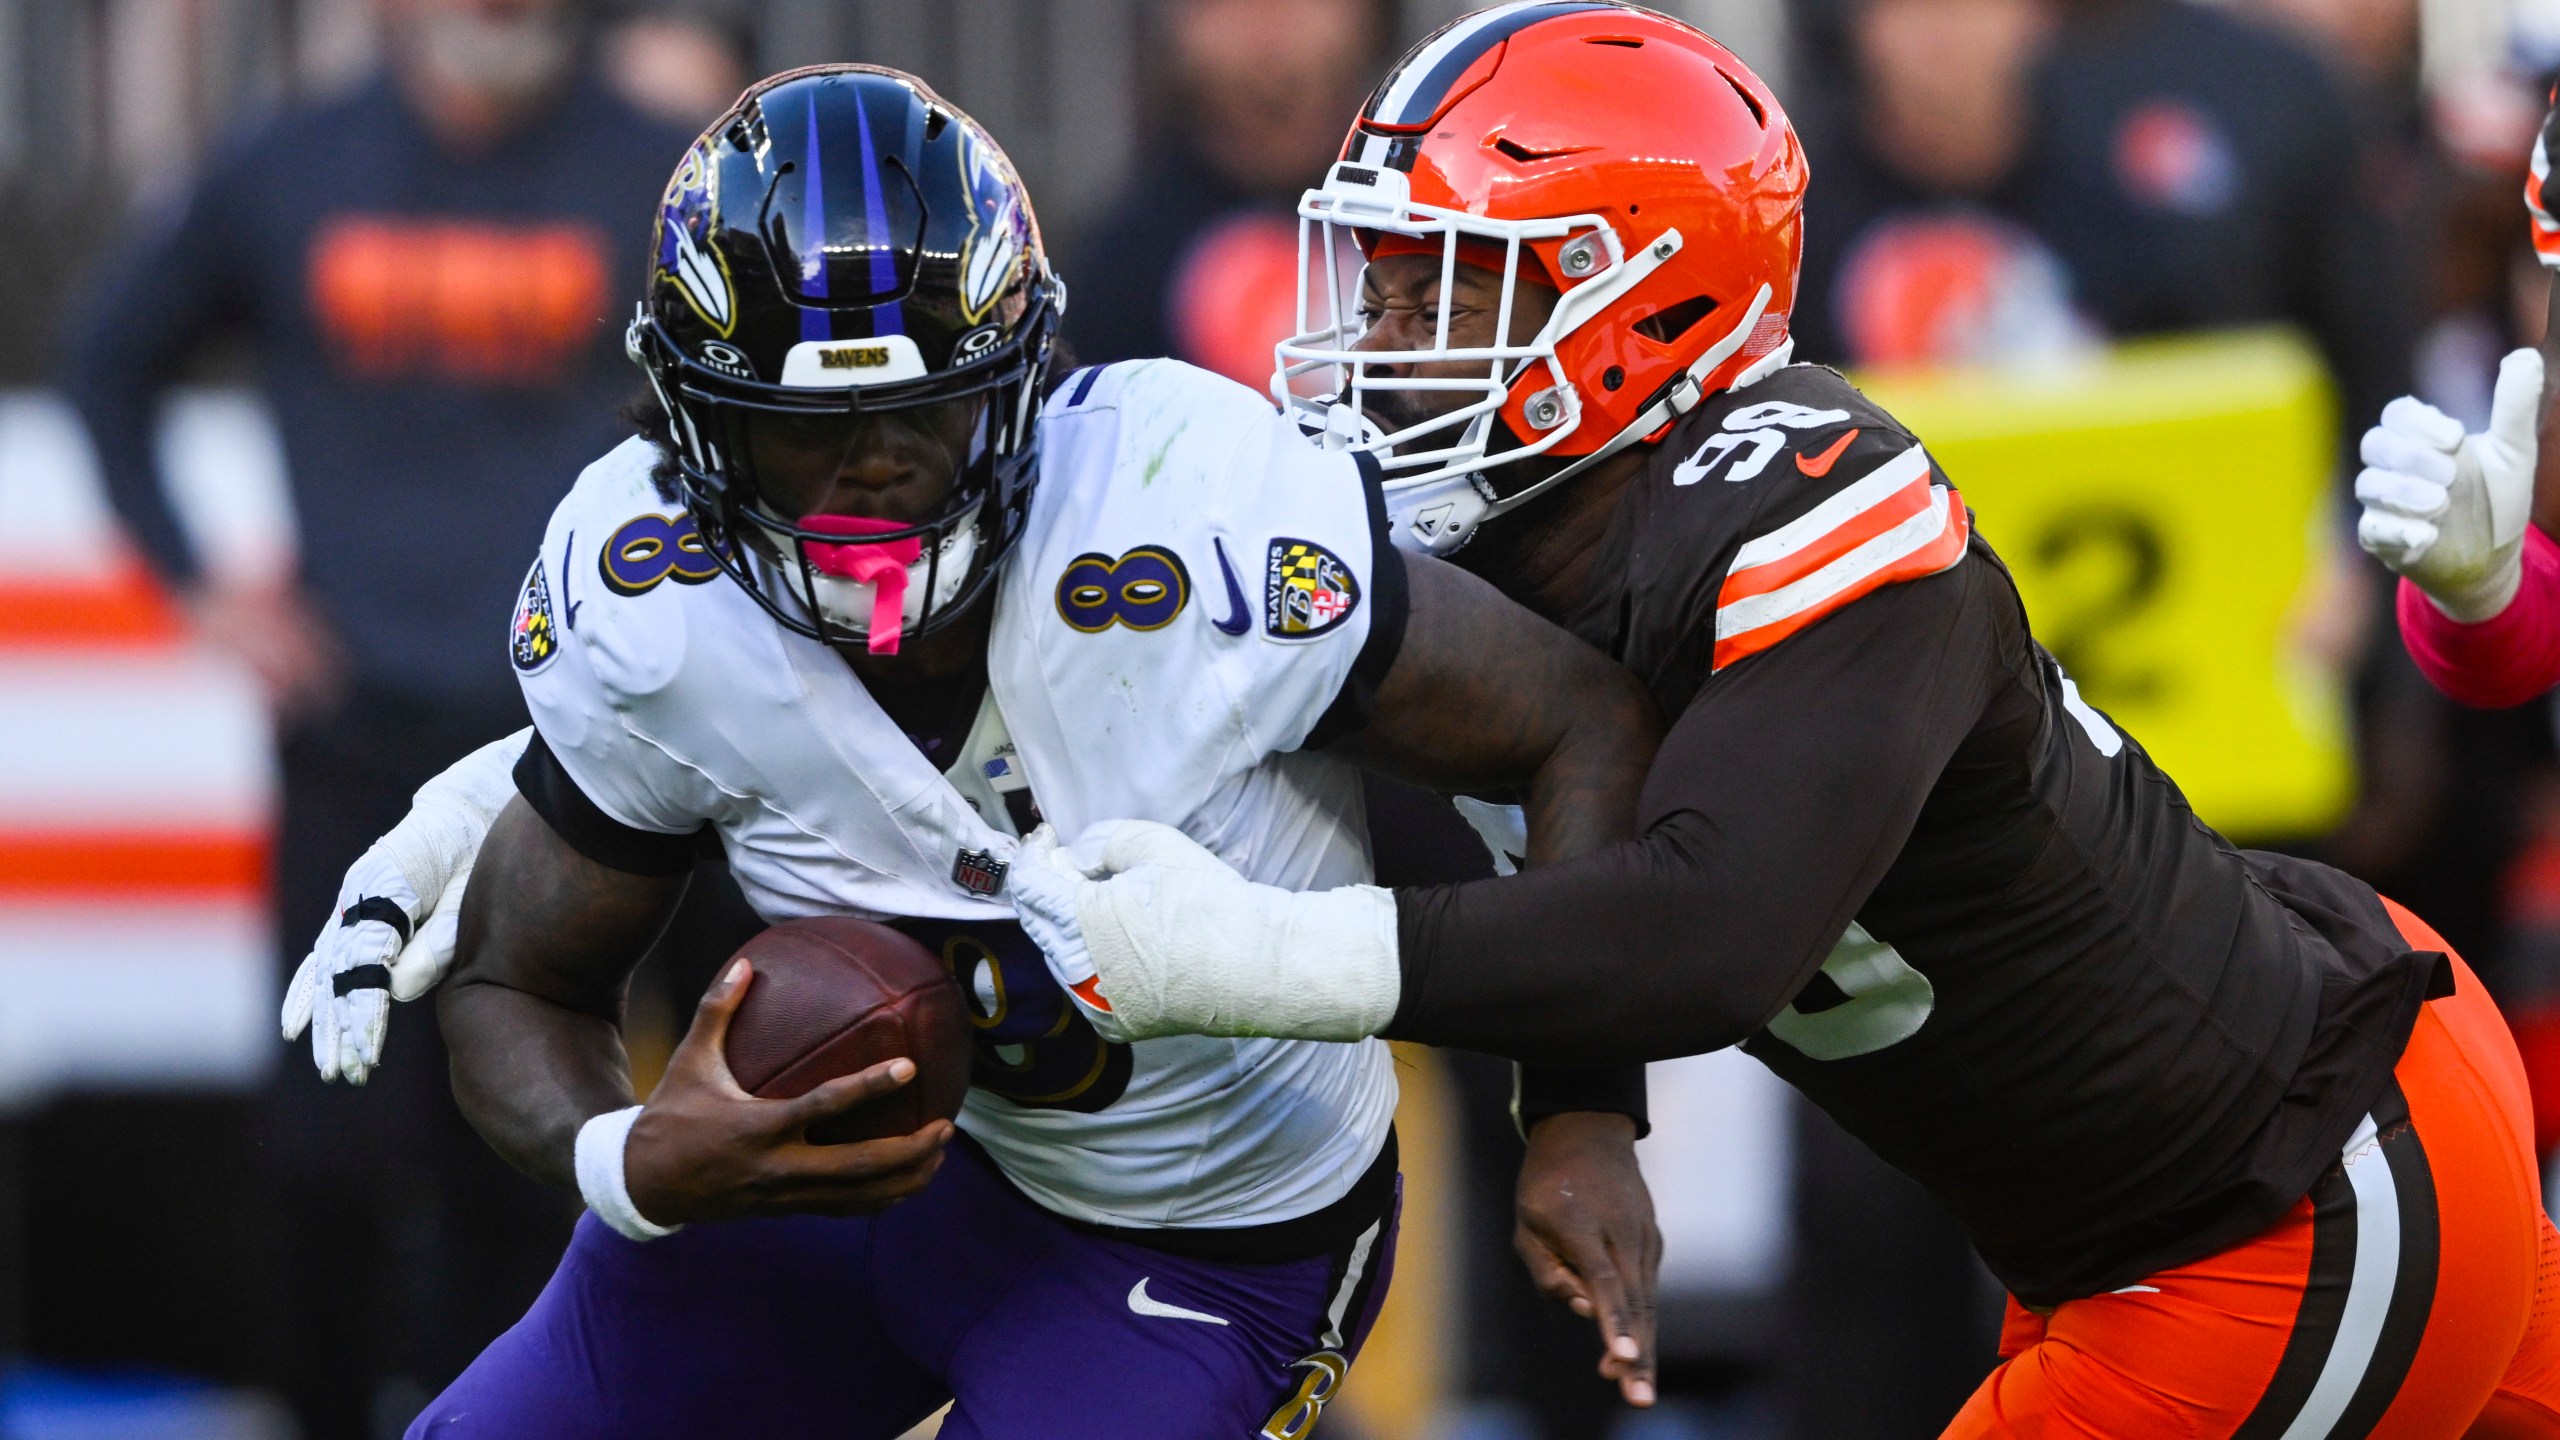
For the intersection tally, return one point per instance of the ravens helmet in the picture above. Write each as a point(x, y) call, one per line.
point(844, 248)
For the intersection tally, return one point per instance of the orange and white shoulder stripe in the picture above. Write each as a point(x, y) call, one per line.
point(1891, 525)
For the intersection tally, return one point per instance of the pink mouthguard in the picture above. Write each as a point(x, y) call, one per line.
point(880, 564)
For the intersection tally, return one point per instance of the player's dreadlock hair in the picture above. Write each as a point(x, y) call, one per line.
point(649, 419)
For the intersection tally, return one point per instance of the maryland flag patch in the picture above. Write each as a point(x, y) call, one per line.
point(533, 638)
point(1306, 592)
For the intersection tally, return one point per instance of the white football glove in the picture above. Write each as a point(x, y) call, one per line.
point(1153, 935)
point(2448, 510)
point(392, 937)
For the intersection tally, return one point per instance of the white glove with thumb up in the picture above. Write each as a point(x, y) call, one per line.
point(2448, 510)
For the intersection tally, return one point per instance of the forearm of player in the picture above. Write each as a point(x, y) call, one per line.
point(532, 1011)
point(2504, 660)
point(1486, 696)
point(1773, 808)
point(1633, 953)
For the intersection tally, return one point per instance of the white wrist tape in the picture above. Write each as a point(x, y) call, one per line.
point(600, 1178)
point(1198, 952)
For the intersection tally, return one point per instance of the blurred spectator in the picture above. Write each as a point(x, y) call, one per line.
point(1932, 227)
point(679, 68)
point(1197, 257)
point(2000, 178)
point(430, 272)
point(2238, 189)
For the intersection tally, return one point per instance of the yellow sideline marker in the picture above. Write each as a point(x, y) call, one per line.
point(2168, 508)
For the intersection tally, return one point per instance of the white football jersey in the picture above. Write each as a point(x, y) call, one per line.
point(1193, 591)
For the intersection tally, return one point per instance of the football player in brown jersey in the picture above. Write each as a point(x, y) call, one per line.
point(2247, 1145)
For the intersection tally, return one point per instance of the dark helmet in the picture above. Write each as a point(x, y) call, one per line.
point(842, 244)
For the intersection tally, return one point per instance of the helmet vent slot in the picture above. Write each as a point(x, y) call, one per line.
point(1669, 323)
point(1523, 154)
point(1621, 41)
point(1759, 116)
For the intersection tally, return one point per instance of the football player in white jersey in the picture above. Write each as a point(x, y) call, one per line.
point(841, 614)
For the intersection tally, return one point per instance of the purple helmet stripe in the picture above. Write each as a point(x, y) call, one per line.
point(815, 323)
point(885, 319)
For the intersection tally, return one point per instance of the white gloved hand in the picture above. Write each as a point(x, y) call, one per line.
point(1154, 935)
point(2448, 510)
point(392, 937)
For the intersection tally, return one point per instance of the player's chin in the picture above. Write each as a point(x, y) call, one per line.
point(1394, 410)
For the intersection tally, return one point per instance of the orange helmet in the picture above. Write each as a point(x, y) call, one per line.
point(1618, 155)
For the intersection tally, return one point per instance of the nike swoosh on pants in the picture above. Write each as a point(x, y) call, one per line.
point(1142, 1303)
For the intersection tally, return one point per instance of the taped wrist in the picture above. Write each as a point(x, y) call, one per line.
point(1200, 952)
point(600, 1178)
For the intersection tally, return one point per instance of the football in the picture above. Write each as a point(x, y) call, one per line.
point(832, 996)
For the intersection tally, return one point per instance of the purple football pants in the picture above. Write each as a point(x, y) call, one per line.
point(856, 1329)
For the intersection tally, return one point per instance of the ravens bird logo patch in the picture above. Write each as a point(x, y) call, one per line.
point(533, 638)
point(1306, 592)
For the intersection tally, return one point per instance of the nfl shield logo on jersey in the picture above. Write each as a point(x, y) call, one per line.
point(1306, 592)
point(978, 872)
point(532, 639)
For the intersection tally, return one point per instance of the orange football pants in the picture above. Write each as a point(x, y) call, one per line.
point(2414, 1294)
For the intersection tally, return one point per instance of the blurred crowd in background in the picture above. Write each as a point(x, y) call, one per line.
point(313, 311)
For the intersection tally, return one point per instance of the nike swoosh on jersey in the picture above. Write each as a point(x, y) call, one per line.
point(1817, 466)
point(1239, 619)
point(569, 606)
point(1141, 1303)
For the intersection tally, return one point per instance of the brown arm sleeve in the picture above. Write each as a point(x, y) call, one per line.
point(1774, 807)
